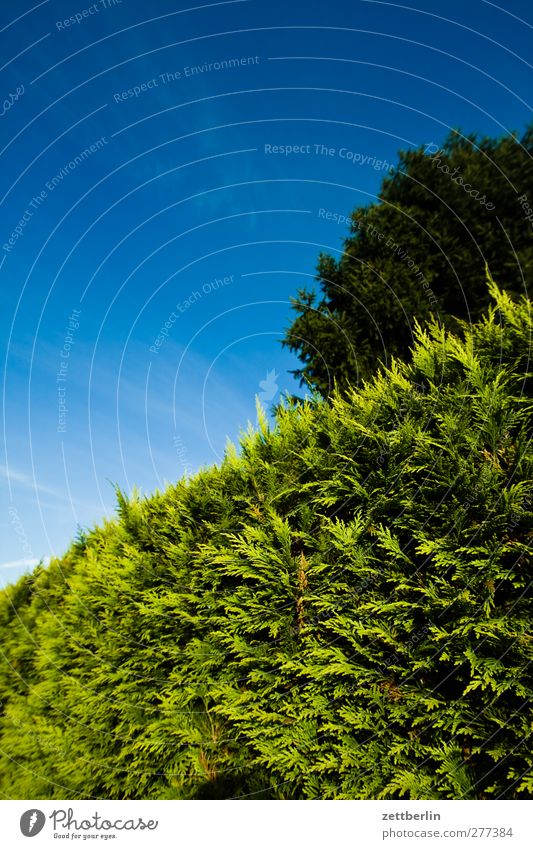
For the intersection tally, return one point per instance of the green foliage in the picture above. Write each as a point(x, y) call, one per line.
point(341, 610)
point(420, 251)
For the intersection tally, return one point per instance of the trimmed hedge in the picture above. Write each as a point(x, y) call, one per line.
point(341, 609)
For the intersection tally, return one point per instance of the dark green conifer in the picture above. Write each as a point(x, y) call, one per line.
point(420, 250)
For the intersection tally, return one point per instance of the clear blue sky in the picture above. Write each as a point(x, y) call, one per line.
point(154, 226)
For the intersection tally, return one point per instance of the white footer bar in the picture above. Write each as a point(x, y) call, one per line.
point(267, 824)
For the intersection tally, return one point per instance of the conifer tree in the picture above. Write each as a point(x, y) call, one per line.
point(420, 250)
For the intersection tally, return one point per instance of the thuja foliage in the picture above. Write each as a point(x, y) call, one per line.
point(419, 250)
point(340, 609)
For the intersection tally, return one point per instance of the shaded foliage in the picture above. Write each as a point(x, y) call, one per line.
point(421, 250)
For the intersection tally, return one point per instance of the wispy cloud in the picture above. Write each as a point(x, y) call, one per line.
point(20, 479)
point(27, 563)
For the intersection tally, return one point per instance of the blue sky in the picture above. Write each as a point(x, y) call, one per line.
point(165, 172)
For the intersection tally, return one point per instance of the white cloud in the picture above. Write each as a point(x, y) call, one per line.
point(28, 563)
point(22, 480)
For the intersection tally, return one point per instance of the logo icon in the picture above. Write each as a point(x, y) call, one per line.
point(268, 386)
point(32, 822)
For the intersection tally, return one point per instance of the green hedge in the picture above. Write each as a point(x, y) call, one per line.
point(341, 609)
